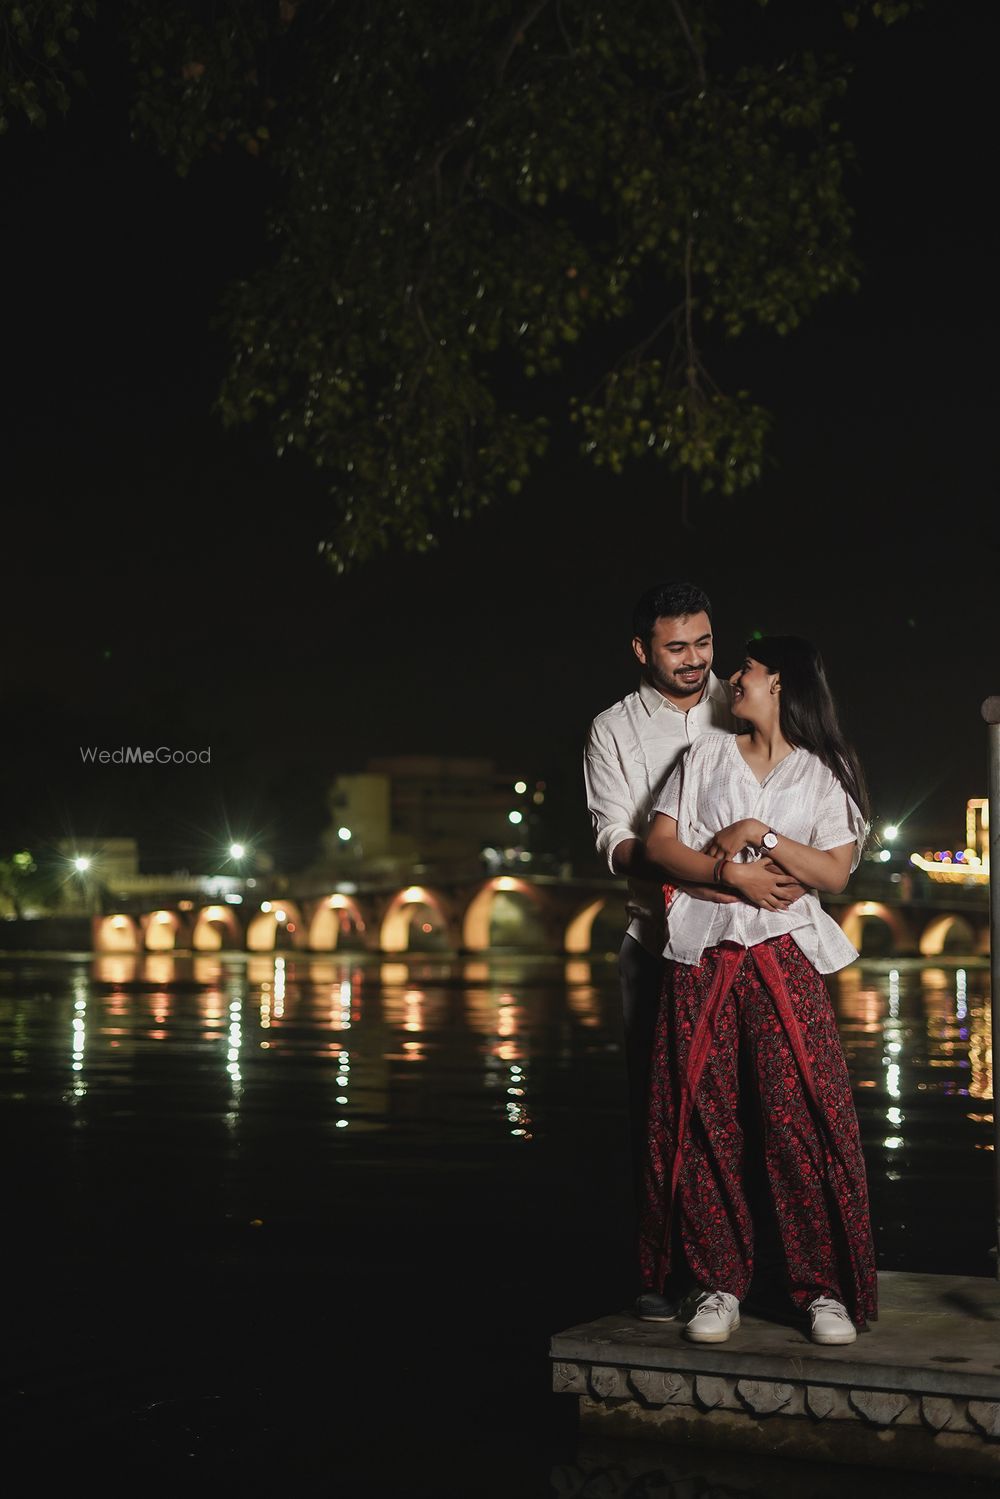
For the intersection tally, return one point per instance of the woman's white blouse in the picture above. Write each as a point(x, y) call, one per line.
point(713, 786)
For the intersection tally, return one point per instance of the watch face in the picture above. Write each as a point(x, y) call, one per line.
point(769, 840)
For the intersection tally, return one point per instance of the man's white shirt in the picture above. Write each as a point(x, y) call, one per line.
point(631, 749)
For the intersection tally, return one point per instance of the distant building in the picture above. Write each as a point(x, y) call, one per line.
point(98, 870)
point(423, 808)
point(109, 859)
point(92, 865)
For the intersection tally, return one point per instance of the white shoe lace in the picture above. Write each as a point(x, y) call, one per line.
point(827, 1304)
point(715, 1301)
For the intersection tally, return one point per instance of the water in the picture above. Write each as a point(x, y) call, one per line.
point(315, 1218)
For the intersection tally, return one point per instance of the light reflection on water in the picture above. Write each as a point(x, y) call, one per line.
point(310, 1124)
point(510, 1050)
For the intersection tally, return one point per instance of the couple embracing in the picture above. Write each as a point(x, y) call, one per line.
point(731, 807)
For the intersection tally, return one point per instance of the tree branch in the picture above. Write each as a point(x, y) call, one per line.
point(570, 49)
point(514, 35)
point(686, 29)
point(692, 353)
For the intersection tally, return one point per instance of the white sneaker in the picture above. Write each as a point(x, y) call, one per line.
point(830, 1322)
point(716, 1316)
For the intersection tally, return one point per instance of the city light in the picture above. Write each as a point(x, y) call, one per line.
point(890, 832)
point(966, 866)
point(81, 864)
point(236, 850)
point(344, 834)
point(520, 787)
point(514, 817)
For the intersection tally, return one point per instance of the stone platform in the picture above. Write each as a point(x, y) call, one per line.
point(920, 1391)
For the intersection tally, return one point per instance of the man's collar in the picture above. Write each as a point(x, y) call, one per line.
point(653, 701)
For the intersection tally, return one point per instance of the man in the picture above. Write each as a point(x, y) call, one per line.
point(631, 749)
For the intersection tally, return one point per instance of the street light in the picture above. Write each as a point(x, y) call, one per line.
point(345, 835)
point(236, 851)
point(890, 832)
point(83, 865)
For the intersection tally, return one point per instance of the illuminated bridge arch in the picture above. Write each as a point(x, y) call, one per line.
point(277, 924)
point(394, 928)
point(333, 918)
point(581, 927)
point(852, 920)
point(947, 932)
point(161, 931)
point(117, 933)
point(476, 920)
point(216, 927)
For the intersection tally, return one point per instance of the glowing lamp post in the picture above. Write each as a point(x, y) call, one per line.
point(238, 854)
point(350, 846)
point(83, 865)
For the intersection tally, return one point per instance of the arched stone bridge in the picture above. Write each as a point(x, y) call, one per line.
point(543, 913)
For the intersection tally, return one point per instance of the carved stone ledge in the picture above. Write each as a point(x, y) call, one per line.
point(763, 1397)
point(569, 1379)
point(711, 1391)
point(608, 1383)
point(878, 1407)
point(820, 1401)
point(655, 1388)
point(985, 1415)
point(938, 1411)
point(628, 1332)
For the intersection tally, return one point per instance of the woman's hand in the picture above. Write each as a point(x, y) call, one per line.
point(712, 893)
point(761, 883)
point(730, 841)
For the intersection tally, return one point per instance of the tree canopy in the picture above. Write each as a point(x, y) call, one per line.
point(492, 217)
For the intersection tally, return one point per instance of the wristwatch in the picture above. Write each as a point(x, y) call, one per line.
point(770, 839)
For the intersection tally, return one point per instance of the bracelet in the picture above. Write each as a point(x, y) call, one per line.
point(720, 865)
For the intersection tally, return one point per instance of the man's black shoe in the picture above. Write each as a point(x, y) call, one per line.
point(652, 1307)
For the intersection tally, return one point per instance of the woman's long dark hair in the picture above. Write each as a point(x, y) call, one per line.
point(807, 712)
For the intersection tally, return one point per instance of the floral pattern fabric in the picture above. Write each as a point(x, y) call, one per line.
point(762, 1014)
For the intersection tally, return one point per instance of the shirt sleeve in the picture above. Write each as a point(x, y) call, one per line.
point(669, 799)
point(839, 821)
point(609, 800)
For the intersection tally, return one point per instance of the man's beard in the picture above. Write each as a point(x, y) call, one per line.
point(678, 688)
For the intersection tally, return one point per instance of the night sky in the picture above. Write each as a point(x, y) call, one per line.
point(162, 582)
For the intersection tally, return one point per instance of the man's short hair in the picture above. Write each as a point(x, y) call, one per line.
point(667, 601)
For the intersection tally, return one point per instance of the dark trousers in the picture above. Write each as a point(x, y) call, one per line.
point(641, 976)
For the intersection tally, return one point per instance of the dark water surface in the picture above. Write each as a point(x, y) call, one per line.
point(307, 1223)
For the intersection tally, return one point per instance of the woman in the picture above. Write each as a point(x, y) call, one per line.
point(744, 999)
